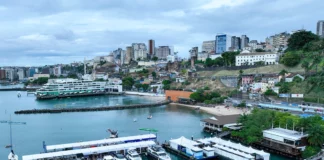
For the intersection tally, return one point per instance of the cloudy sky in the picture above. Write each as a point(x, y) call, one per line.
point(40, 32)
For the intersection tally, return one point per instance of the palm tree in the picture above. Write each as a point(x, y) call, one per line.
point(316, 133)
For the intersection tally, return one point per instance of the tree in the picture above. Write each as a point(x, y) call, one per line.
point(270, 92)
point(259, 50)
point(297, 79)
point(219, 61)
point(305, 65)
point(145, 87)
point(316, 133)
point(154, 74)
point(283, 72)
point(284, 88)
point(290, 59)
point(166, 82)
point(298, 40)
point(155, 58)
point(229, 58)
point(209, 62)
point(317, 59)
point(310, 151)
point(138, 86)
point(128, 82)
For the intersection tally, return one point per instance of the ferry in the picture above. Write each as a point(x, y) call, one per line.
point(68, 87)
point(157, 152)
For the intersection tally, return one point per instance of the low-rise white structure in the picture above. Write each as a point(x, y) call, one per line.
point(248, 58)
point(291, 77)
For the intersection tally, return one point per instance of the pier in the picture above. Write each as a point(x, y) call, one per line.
point(91, 109)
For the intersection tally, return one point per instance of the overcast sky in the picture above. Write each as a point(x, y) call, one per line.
point(40, 32)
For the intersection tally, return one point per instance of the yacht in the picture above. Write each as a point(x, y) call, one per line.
point(119, 156)
point(132, 154)
point(157, 152)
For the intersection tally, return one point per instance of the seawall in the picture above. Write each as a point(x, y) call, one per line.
point(91, 109)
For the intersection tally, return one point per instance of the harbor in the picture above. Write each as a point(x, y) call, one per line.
point(67, 127)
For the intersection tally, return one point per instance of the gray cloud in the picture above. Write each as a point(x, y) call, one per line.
point(60, 31)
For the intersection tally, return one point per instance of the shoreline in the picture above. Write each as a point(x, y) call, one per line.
point(218, 110)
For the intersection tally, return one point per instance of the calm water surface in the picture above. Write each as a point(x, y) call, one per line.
point(171, 121)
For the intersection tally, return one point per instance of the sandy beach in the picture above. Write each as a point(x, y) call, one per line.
point(218, 110)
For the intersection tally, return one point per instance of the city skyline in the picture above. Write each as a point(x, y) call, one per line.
point(52, 32)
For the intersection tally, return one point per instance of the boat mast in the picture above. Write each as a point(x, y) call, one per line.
point(10, 123)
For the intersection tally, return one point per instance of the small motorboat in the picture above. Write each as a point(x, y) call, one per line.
point(149, 117)
point(134, 120)
point(113, 134)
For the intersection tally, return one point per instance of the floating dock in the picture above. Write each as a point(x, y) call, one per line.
point(99, 143)
point(91, 109)
point(87, 152)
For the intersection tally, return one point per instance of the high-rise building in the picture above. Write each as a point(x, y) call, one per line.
point(57, 71)
point(281, 40)
point(128, 55)
point(31, 72)
point(2, 74)
point(21, 73)
point(139, 51)
point(193, 56)
point(320, 28)
point(151, 45)
point(208, 46)
point(223, 43)
point(244, 41)
point(235, 43)
point(11, 74)
point(162, 52)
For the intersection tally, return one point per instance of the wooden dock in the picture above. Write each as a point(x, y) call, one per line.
point(91, 109)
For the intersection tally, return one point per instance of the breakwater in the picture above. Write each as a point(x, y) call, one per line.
point(18, 89)
point(91, 109)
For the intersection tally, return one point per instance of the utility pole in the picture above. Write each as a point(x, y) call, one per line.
point(11, 123)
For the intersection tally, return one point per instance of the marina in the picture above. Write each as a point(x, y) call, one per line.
point(76, 127)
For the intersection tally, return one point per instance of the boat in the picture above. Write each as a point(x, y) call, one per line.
point(135, 120)
point(12, 156)
point(108, 157)
point(118, 156)
point(150, 117)
point(132, 154)
point(113, 134)
point(60, 87)
point(18, 95)
point(157, 152)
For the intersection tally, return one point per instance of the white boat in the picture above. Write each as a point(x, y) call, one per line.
point(150, 117)
point(135, 120)
point(12, 156)
point(132, 154)
point(55, 87)
point(119, 156)
point(157, 152)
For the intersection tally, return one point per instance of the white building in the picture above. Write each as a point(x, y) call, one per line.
point(202, 56)
point(320, 28)
point(139, 51)
point(291, 77)
point(21, 74)
point(11, 74)
point(208, 46)
point(57, 71)
point(171, 58)
point(248, 58)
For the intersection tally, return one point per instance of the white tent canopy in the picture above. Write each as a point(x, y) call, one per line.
point(90, 151)
point(100, 142)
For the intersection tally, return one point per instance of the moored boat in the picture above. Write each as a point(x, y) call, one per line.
point(157, 152)
point(132, 154)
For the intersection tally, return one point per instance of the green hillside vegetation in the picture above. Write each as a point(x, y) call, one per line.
point(259, 120)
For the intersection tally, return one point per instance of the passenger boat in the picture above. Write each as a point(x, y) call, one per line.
point(157, 152)
point(132, 154)
point(61, 87)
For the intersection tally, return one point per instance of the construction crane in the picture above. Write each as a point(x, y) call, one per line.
point(12, 155)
